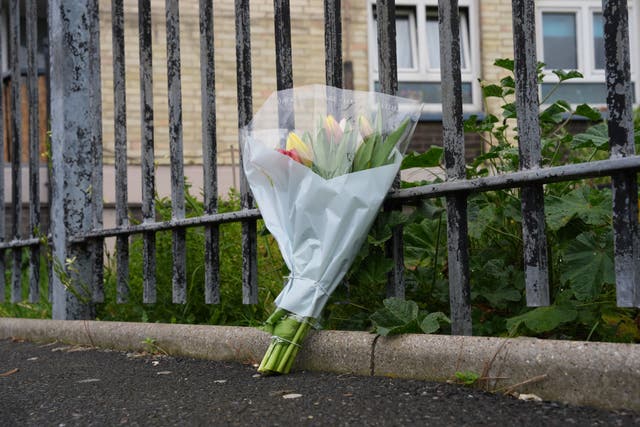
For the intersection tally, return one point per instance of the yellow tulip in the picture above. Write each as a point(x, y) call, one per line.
point(333, 128)
point(294, 143)
point(365, 126)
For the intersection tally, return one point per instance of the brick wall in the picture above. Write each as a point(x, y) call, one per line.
point(307, 31)
point(496, 41)
point(308, 65)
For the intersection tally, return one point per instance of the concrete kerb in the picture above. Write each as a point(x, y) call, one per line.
point(604, 375)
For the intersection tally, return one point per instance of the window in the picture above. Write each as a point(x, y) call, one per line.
point(571, 37)
point(406, 41)
point(418, 52)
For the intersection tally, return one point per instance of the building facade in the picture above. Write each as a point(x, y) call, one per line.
point(569, 37)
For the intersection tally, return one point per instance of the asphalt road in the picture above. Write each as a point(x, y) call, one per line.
point(59, 385)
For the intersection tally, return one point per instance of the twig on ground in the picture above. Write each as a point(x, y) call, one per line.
point(513, 387)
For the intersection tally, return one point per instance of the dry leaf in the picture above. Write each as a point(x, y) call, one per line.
point(291, 396)
point(530, 397)
point(10, 372)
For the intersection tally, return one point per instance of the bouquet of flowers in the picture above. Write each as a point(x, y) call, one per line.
point(319, 185)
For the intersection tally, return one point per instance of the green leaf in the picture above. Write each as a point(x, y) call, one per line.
point(379, 233)
point(498, 297)
point(508, 82)
point(505, 63)
point(431, 323)
point(486, 125)
point(492, 91)
point(383, 151)
point(420, 240)
point(542, 319)
point(589, 112)
point(589, 265)
point(428, 159)
point(428, 209)
point(468, 378)
point(373, 269)
point(481, 215)
point(554, 112)
point(596, 136)
point(398, 316)
point(593, 207)
point(567, 75)
point(509, 110)
point(363, 155)
point(381, 230)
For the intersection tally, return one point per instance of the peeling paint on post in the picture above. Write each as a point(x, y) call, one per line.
point(96, 246)
point(2, 207)
point(120, 132)
point(527, 107)
point(388, 76)
point(284, 63)
point(621, 139)
point(179, 247)
point(72, 154)
point(333, 54)
point(34, 150)
point(209, 153)
point(333, 43)
point(15, 150)
point(148, 172)
point(245, 113)
point(453, 141)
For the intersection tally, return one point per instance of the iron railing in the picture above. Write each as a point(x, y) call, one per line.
point(77, 234)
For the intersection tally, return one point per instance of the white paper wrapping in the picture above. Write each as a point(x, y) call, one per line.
point(319, 224)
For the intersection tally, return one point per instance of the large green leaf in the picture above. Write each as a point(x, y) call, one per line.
point(480, 217)
point(498, 297)
point(589, 264)
point(383, 225)
point(491, 91)
point(542, 319)
point(567, 75)
point(591, 206)
point(398, 316)
point(420, 241)
point(505, 63)
point(431, 322)
point(596, 136)
point(589, 112)
point(429, 159)
point(555, 112)
point(373, 269)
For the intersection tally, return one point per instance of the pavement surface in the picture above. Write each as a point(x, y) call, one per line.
point(62, 385)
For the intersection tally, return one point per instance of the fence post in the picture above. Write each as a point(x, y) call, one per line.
point(72, 103)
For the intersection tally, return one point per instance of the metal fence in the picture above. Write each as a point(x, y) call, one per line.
point(77, 233)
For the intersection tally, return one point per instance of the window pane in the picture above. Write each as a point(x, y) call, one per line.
point(428, 92)
point(598, 41)
point(559, 40)
point(433, 39)
point(404, 50)
point(578, 93)
point(403, 42)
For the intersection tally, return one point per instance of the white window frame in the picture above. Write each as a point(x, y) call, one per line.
point(413, 37)
point(470, 34)
point(584, 10)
